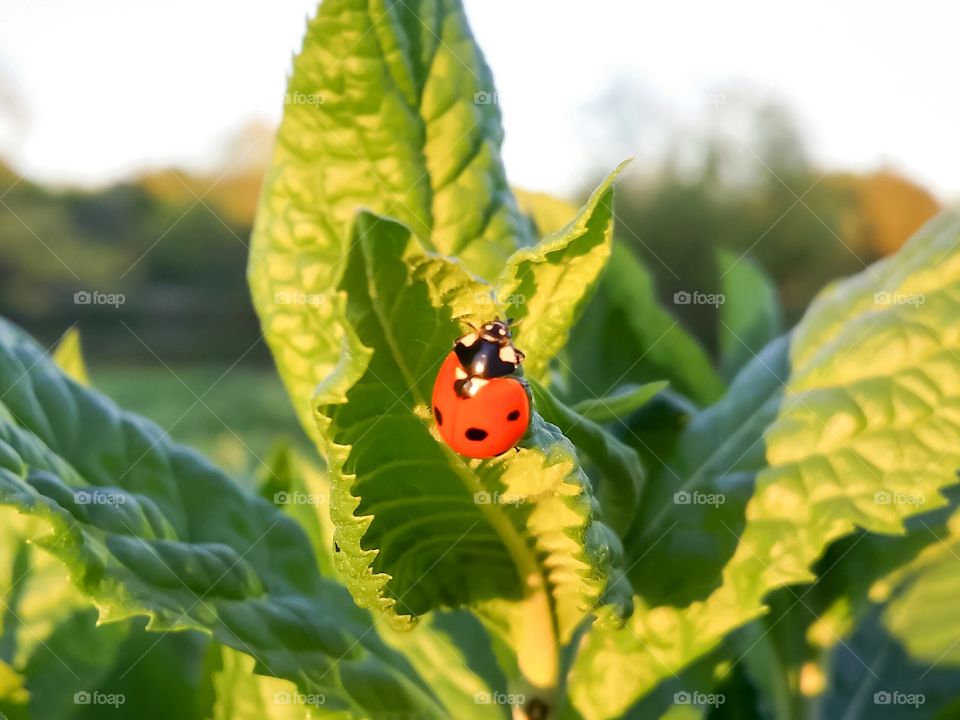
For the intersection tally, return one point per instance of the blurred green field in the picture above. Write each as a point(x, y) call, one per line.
point(233, 417)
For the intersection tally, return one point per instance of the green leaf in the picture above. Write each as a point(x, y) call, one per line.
point(900, 641)
point(420, 527)
point(621, 473)
point(160, 675)
point(75, 658)
point(692, 512)
point(69, 356)
point(35, 599)
point(34, 593)
point(299, 488)
point(150, 528)
point(390, 107)
point(243, 695)
point(921, 611)
point(546, 287)
point(830, 632)
point(50, 633)
point(898, 634)
point(750, 316)
point(548, 213)
point(654, 429)
point(870, 407)
point(14, 697)
point(872, 662)
point(452, 652)
point(625, 336)
point(625, 401)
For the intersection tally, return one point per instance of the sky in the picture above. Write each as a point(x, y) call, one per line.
point(108, 88)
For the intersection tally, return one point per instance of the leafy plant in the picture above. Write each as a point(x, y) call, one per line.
point(644, 533)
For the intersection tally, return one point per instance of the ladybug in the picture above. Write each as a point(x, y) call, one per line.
point(480, 410)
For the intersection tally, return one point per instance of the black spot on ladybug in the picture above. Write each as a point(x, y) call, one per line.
point(514, 415)
point(438, 415)
point(476, 434)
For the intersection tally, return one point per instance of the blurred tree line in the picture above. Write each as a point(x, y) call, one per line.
point(742, 180)
point(174, 244)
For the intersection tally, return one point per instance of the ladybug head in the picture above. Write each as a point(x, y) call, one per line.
point(496, 331)
point(487, 351)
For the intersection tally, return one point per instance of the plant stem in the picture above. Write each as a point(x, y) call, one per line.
point(533, 626)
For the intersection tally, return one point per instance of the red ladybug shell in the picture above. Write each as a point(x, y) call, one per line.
point(487, 424)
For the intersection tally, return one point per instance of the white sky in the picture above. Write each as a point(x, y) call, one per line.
point(109, 87)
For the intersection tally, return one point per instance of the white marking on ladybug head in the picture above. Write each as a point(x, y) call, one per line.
point(459, 373)
point(469, 339)
point(509, 355)
point(495, 331)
